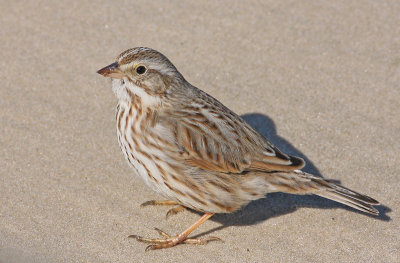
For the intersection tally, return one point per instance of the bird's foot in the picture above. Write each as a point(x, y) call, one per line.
point(168, 241)
point(172, 211)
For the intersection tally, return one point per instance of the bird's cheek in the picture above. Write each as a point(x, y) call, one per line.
point(156, 85)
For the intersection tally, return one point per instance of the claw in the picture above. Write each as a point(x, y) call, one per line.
point(155, 202)
point(162, 233)
point(174, 211)
point(150, 247)
point(147, 203)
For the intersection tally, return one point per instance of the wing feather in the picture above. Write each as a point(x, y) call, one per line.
point(212, 137)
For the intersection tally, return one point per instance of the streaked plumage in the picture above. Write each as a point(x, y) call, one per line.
point(193, 150)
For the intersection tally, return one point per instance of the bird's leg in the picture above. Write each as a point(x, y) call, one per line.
point(172, 211)
point(168, 241)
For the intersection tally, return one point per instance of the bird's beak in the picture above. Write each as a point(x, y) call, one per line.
point(111, 71)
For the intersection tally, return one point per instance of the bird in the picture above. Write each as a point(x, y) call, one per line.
point(197, 153)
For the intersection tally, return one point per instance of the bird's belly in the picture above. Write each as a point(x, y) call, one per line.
point(160, 173)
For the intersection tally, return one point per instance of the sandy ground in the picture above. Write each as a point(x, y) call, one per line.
point(320, 79)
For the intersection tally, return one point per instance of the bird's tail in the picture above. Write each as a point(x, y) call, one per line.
point(299, 182)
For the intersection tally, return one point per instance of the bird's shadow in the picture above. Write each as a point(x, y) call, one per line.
point(277, 204)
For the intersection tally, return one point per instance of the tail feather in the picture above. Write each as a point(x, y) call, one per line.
point(349, 201)
point(346, 196)
point(304, 183)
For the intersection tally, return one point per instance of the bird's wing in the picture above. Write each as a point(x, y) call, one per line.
point(214, 138)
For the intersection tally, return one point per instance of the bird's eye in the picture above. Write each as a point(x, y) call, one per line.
point(141, 70)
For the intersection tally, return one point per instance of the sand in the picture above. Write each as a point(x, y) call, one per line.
point(321, 79)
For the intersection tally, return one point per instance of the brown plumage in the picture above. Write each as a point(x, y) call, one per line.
point(189, 147)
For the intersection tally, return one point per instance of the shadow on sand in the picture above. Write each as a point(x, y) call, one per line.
point(277, 204)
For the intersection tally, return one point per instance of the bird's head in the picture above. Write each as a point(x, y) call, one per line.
point(143, 72)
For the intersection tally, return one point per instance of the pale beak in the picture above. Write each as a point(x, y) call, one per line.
point(111, 71)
